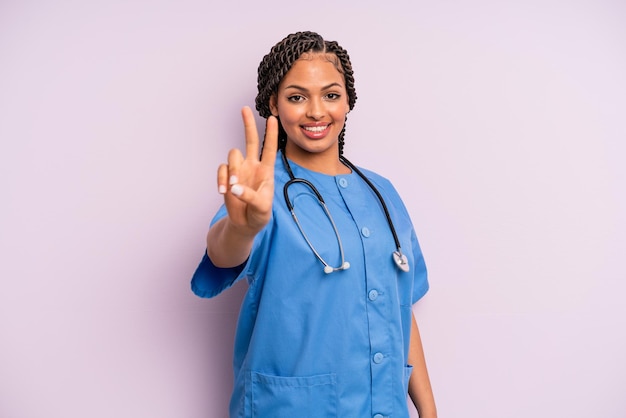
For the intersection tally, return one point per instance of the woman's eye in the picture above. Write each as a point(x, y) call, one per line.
point(295, 98)
point(333, 96)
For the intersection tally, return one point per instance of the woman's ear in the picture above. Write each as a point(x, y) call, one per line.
point(273, 105)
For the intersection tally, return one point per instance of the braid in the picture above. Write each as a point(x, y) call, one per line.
point(279, 61)
point(348, 75)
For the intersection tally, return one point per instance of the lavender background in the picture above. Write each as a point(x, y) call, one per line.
point(500, 122)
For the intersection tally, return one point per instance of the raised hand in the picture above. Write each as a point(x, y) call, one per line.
point(247, 183)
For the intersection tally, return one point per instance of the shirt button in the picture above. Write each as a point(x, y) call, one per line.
point(343, 182)
point(379, 416)
point(373, 294)
point(378, 358)
point(365, 231)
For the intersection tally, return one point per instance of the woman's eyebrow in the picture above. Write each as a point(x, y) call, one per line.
point(297, 87)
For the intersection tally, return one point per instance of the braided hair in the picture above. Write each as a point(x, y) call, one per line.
point(278, 62)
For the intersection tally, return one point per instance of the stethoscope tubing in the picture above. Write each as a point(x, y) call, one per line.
point(327, 267)
point(399, 258)
point(380, 199)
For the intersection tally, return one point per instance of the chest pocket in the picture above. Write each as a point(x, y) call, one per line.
point(289, 397)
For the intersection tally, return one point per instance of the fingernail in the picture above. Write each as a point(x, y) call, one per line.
point(236, 189)
point(233, 179)
point(221, 189)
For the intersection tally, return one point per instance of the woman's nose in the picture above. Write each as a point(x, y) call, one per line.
point(316, 109)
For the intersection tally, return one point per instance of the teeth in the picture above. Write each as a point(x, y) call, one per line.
point(316, 129)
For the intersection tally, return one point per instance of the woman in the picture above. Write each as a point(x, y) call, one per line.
point(326, 327)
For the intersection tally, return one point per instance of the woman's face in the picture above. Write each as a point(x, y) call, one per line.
point(312, 104)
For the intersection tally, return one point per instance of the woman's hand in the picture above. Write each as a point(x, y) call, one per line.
point(247, 184)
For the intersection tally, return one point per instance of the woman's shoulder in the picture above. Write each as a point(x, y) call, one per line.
point(378, 179)
point(372, 174)
point(384, 186)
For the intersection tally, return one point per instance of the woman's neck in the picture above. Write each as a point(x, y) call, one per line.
point(326, 162)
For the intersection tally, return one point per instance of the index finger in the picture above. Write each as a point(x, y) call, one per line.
point(252, 135)
point(270, 143)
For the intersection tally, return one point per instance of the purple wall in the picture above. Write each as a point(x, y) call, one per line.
point(501, 125)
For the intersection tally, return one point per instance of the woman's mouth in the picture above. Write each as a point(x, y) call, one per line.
point(315, 131)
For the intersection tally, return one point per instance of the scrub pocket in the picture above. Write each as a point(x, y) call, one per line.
point(290, 397)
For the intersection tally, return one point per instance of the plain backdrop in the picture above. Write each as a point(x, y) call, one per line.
point(501, 123)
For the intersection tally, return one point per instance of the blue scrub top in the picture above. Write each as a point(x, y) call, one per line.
point(311, 344)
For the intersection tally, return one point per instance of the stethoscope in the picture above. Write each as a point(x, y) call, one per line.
point(399, 259)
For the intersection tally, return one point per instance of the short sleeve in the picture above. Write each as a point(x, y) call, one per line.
point(209, 280)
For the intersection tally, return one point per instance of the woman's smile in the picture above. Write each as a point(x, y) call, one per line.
point(316, 130)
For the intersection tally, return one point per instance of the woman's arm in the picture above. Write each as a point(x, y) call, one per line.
point(227, 245)
point(420, 391)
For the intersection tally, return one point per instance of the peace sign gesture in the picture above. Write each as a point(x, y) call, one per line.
point(247, 184)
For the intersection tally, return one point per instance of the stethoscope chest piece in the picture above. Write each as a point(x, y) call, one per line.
point(401, 261)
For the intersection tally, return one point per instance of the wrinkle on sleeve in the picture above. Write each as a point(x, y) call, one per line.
point(420, 275)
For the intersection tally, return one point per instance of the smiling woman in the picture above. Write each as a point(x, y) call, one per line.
point(312, 104)
point(311, 343)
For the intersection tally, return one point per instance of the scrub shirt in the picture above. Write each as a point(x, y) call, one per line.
point(311, 344)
